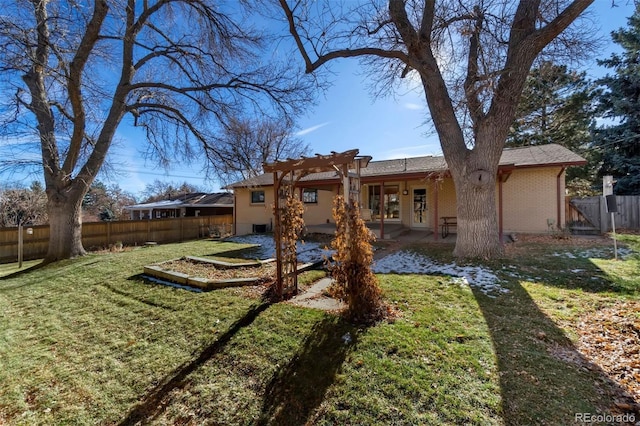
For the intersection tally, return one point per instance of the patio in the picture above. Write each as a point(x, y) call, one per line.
point(392, 231)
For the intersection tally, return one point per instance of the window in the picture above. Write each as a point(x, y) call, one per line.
point(391, 200)
point(310, 196)
point(257, 197)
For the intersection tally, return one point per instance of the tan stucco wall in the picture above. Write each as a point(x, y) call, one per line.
point(446, 194)
point(316, 214)
point(247, 214)
point(530, 198)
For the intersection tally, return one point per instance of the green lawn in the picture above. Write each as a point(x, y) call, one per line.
point(89, 341)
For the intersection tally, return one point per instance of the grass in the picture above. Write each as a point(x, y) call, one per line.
point(90, 341)
point(11, 268)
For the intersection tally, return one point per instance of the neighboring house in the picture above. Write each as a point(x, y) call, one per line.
point(418, 193)
point(193, 204)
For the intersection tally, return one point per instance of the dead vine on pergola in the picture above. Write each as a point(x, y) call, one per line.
point(288, 209)
point(355, 282)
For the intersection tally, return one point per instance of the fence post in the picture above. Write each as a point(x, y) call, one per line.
point(604, 219)
point(20, 246)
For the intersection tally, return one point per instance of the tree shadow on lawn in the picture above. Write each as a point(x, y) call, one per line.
point(543, 377)
point(298, 388)
point(23, 271)
point(151, 404)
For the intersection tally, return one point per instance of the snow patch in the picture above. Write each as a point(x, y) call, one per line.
point(308, 252)
point(405, 262)
point(595, 253)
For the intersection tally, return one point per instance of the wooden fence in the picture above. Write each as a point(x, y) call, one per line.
point(96, 235)
point(590, 213)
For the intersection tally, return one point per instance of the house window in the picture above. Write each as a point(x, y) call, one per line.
point(257, 197)
point(310, 196)
point(391, 200)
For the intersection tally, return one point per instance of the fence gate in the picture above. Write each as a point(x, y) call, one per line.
point(589, 209)
point(590, 213)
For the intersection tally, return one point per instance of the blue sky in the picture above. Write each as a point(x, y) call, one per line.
point(345, 117)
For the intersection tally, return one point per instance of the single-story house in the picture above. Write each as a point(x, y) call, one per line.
point(418, 192)
point(191, 204)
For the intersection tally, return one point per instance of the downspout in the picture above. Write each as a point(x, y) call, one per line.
point(559, 196)
point(435, 209)
point(382, 210)
point(500, 206)
point(235, 209)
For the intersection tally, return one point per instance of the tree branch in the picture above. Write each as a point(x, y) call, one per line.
point(546, 34)
point(74, 83)
point(34, 79)
point(470, 89)
point(311, 65)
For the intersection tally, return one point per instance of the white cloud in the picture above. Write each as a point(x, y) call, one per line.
point(311, 129)
point(20, 141)
point(413, 106)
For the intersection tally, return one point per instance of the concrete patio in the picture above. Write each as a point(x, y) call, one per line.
point(392, 232)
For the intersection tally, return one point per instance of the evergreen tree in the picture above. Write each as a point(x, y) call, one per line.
point(105, 203)
point(106, 215)
point(557, 107)
point(619, 143)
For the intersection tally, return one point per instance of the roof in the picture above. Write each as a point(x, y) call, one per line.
point(541, 155)
point(194, 199)
point(522, 157)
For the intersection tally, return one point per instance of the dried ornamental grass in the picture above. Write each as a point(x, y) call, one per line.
point(355, 282)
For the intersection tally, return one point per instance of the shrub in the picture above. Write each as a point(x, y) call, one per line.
point(355, 283)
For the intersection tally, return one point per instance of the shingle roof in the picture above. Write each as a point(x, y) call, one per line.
point(541, 155)
point(531, 156)
point(194, 199)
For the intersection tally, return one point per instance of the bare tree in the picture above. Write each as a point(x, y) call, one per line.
point(471, 59)
point(73, 71)
point(246, 144)
point(159, 190)
point(23, 206)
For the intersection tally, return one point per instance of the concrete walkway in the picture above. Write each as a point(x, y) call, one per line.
point(313, 297)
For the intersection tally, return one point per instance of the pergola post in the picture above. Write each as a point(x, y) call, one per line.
point(286, 174)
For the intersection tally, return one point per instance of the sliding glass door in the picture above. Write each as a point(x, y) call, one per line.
point(391, 206)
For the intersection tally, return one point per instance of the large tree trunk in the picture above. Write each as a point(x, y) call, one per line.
point(474, 173)
point(65, 226)
point(478, 232)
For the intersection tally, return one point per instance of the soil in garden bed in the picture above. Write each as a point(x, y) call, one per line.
point(206, 270)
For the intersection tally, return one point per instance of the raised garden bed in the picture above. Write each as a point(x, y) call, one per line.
point(210, 274)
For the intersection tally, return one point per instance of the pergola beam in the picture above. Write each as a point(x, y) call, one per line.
point(319, 163)
point(286, 175)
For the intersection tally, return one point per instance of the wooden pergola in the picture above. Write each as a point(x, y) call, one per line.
point(286, 175)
